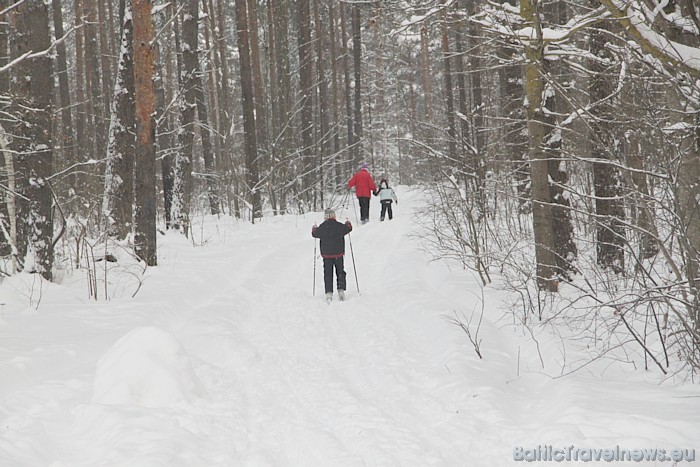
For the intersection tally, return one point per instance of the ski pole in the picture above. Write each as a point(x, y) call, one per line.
point(354, 267)
point(344, 202)
point(313, 294)
point(357, 219)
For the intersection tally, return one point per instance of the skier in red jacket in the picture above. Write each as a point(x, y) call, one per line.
point(364, 188)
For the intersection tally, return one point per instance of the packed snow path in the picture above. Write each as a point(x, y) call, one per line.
point(227, 359)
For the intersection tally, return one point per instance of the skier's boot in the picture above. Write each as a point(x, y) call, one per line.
point(341, 294)
point(329, 296)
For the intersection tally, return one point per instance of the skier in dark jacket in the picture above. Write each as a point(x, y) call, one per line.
point(332, 233)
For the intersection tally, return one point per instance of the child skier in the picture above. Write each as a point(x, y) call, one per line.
point(386, 196)
point(332, 233)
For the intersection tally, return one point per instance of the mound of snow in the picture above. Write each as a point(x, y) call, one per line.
point(147, 367)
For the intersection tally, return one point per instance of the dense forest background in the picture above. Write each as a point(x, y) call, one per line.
point(559, 140)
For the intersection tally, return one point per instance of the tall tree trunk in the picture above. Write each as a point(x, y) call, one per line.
point(8, 218)
point(105, 51)
point(348, 94)
point(468, 155)
point(538, 130)
point(145, 169)
point(449, 91)
point(323, 114)
point(31, 95)
point(274, 182)
point(166, 139)
point(514, 134)
point(607, 181)
point(213, 88)
point(248, 103)
point(357, 68)
point(226, 115)
point(425, 69)
point(258, 85)
point(92, 61)
point(306, 86)
point(207, 148)
point(80, 100)
point(284, 98)
point(182, 192)
point(477, 106)
point(118, 200)
point(67, 139)
point(335, 93)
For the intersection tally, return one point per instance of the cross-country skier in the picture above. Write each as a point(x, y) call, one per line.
point(386, 196)
point(364, 188)
point(332, 233)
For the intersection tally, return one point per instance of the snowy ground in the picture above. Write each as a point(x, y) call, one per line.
point(224, 358)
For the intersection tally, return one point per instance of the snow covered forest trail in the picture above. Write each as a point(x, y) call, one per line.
point(280, 378)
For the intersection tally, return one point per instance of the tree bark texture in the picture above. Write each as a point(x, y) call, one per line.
point(31, 89)
point(145, 169)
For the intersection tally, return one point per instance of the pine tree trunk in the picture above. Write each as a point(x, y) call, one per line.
point(80, 100)
point(166, 139)
point(477, 107)
point(67, 141)
point(213, 87)
point(118, 200)
point(357, 91)
point(105, 53)
point(514, 134)
point(248, 103)
point(226, 116)
point(258, 85)
point(335, 93)
point(425, 69)
point(323, 114)
point(183, 184)
point(306, 89)
point(31, 97)
point(284, 97)
point(207, 148)
point(449, 91)
point(468, 155)
point(353, 161)
point(543, 222)
point(607, 181)
point(92, 60)
point(274, 183)
point(145, 169)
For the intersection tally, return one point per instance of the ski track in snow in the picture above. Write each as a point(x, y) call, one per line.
point(381, 379)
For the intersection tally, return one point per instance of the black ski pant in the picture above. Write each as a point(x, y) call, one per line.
point(386, 208)
point(328, 265)
point(364, 208)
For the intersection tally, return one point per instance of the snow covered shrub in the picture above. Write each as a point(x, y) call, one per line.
point(147, 367)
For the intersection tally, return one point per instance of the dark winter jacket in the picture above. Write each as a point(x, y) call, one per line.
point(363, 183)
point(331, 233)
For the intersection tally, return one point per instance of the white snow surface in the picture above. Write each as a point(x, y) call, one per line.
point(225, 358)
